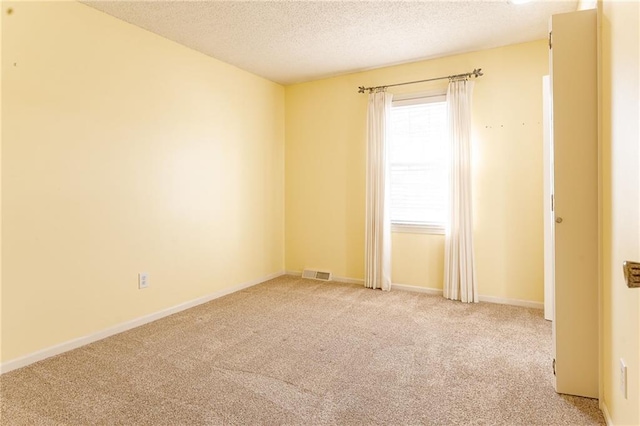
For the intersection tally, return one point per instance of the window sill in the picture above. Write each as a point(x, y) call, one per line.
point(417, 228)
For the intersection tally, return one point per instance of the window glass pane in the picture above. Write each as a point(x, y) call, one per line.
point(418, 150)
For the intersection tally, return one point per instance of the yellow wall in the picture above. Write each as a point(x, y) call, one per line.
point(124, 152)
point(620, 141)
point(325, 173)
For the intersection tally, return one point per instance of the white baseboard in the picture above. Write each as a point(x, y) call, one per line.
point(333, 278)
point(605, 413)
point(127, 325)
point(417, 289)
point(437, 292)
point(489, 299)
point(513, 302)
point(348, 280)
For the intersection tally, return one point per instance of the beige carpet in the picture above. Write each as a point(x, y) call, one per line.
point(294, 351)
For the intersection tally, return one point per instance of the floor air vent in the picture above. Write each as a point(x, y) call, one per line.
point(316, 275)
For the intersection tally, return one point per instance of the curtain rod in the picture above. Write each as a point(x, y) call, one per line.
point(475, 73)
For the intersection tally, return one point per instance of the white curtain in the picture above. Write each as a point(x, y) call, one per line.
point(459, 271)
point(377, 221)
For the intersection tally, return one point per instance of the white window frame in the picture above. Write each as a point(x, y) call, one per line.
point(418, 227)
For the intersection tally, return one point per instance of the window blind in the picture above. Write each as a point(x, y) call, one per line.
point(419, 173)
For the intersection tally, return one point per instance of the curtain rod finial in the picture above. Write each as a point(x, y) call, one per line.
point(361, 89)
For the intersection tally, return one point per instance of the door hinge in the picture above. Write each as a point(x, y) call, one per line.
point(550, 44)
point(554, 366)
point(552, 202)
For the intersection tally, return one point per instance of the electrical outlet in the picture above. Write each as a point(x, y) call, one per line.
point(623, 378)
point(143, 280)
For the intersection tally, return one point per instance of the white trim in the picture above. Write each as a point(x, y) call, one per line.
point(437, 292)
point(349, 280)
point(605, 413)
point(127, 325)
point(513, 302)
point(601, 304)
point(333, 278)
point(489, 299)
point(416, 228)
point(424, 97)
point(417, 289)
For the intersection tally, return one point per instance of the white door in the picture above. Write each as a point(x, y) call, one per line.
point(574, 143)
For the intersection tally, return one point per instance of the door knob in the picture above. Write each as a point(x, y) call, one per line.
point(558, 220)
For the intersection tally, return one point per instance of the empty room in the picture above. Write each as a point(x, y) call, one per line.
point(320, 212)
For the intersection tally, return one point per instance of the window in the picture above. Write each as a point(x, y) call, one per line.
point(418, 162)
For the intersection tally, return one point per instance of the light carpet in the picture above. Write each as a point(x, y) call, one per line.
point(300, 352)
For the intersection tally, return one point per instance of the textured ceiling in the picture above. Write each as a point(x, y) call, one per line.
point(295, 41)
